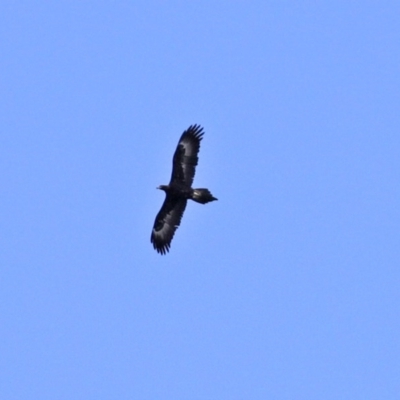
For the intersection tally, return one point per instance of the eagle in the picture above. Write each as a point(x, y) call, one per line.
point(179, 190)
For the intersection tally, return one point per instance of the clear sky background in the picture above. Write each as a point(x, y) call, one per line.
point(288, 287)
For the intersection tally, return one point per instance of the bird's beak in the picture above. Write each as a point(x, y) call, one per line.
point(158, 187)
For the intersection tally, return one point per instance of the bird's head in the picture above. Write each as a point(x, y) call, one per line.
point(163, 187)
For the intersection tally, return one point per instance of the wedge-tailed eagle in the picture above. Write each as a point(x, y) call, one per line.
point(179, 189)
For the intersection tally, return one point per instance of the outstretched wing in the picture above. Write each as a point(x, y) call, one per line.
point(166, 223)
point(185, 157)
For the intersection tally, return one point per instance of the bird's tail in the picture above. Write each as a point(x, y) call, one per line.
point(202, 196)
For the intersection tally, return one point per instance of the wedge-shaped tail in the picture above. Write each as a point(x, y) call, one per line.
point(202, 196)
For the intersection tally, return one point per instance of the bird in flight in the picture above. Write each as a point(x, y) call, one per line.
point(179, 190)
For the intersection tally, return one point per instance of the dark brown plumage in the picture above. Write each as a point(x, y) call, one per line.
point(179, 189)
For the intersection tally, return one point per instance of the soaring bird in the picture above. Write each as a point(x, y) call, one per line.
point(179, 189)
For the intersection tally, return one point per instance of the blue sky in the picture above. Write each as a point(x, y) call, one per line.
point(287, 287)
